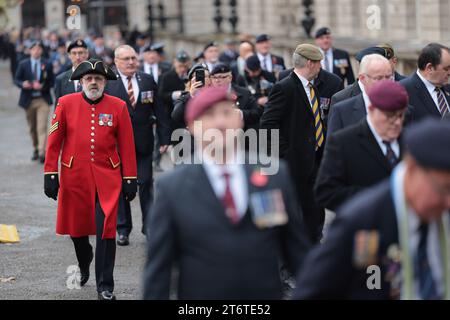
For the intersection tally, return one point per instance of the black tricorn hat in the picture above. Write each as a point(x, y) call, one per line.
point(93, 66)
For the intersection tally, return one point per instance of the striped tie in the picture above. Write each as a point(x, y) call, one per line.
point(442, 104)
point(131, 92)
point(317, 122)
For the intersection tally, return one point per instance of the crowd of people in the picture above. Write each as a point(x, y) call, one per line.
point(373, 148)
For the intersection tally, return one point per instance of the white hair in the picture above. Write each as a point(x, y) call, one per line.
point(368, 60)
point(123, 47)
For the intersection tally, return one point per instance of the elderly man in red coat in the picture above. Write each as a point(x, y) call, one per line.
point(92, 131)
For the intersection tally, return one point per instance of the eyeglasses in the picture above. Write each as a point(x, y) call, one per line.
point(379, 78)
point(220, 77)
point(128, 58)
point(393, 116)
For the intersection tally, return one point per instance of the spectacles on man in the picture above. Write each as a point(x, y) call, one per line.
point(392, 116)
point(220, 77)
point(379, 78)
point(132, 58)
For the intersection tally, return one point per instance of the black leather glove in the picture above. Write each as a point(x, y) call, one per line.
point(129, 188)
point(51, 185)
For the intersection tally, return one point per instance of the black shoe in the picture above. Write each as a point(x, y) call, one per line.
point(85, 272)
point(35, 155)
point(41, 159)
point(106, 295)
point(123, 240)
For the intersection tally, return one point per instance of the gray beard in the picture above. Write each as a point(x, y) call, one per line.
point(93, 95)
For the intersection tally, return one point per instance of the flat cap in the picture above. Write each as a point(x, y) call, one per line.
point(388, 95)
point(253, 63)
point(309, 51)
point(93, 66)
point(205, 99)
point(371, 50)
point(428, 143)
point(220, 68)
point(322, 31)
point(389, 50)
point(262, 37)
point(182, 56)
point(79, 43)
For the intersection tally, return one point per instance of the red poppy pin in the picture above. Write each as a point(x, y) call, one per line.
point(259, 179)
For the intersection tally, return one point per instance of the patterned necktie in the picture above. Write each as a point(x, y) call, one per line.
point(427, 287)
point(131, 92)
point(228, 201)
point(317, 121)
point(442, 104)
point(390, 154)
point(264, 64)
point(326, 62)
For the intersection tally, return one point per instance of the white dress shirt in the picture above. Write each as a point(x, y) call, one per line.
point(238, 182)
point(153, 70)
point(394, 144)
point(75, 82)
point(329, 56)
point(134, 83)
point(306, 86)
point(431, 90)
point(266, 61)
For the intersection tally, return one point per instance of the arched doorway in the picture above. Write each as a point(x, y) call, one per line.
point(33, 13)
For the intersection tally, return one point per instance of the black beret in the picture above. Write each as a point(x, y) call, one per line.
point(182, 56)
point(158, 47)
point(428, 143)
point(220, 68)
point(322, 31)
point(93, 66)
point(371, 50)
point(210, 44)
point(77, 44)
point(198, 66)
point(253, 63)
point(262, 38)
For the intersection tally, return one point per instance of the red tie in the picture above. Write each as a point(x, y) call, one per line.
point(130, 92)
point(228, 201)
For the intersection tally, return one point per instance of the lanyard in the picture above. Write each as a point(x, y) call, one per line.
point(407, 262)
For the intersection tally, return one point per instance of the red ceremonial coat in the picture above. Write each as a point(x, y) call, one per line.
point(91, 137)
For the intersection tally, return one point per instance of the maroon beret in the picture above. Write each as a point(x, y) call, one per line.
point(205, 99)
point(388, 95)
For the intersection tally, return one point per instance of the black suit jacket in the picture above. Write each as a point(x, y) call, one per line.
point(419, 97)
point(289, 111)
point(63, 85)
point(342, 66)
point(168, 83)
point(352, 161)
point(350, 91)
point(327, 84)
point(145, 113)
point(251, 110)
point(24, 73)
point(217, 260)
point(329, 271)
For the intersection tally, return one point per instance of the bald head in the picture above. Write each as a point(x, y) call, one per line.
point(374, 68)
point(125, 59)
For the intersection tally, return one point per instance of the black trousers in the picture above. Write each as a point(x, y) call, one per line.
point(105, 253)
point(145, 184)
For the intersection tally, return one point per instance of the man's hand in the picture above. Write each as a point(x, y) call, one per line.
point(37, 85)
point(163, 148)
point(262, 101)
point(26, 84)
point(51, 185)
point(129, 188)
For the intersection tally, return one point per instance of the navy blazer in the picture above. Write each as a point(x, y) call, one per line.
point(24, 73)
point(419, 97)
point(329, 271)
point(63, 85)
point(216, 259)
point(145, 113)
point(346, 71)
point(352, 161)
